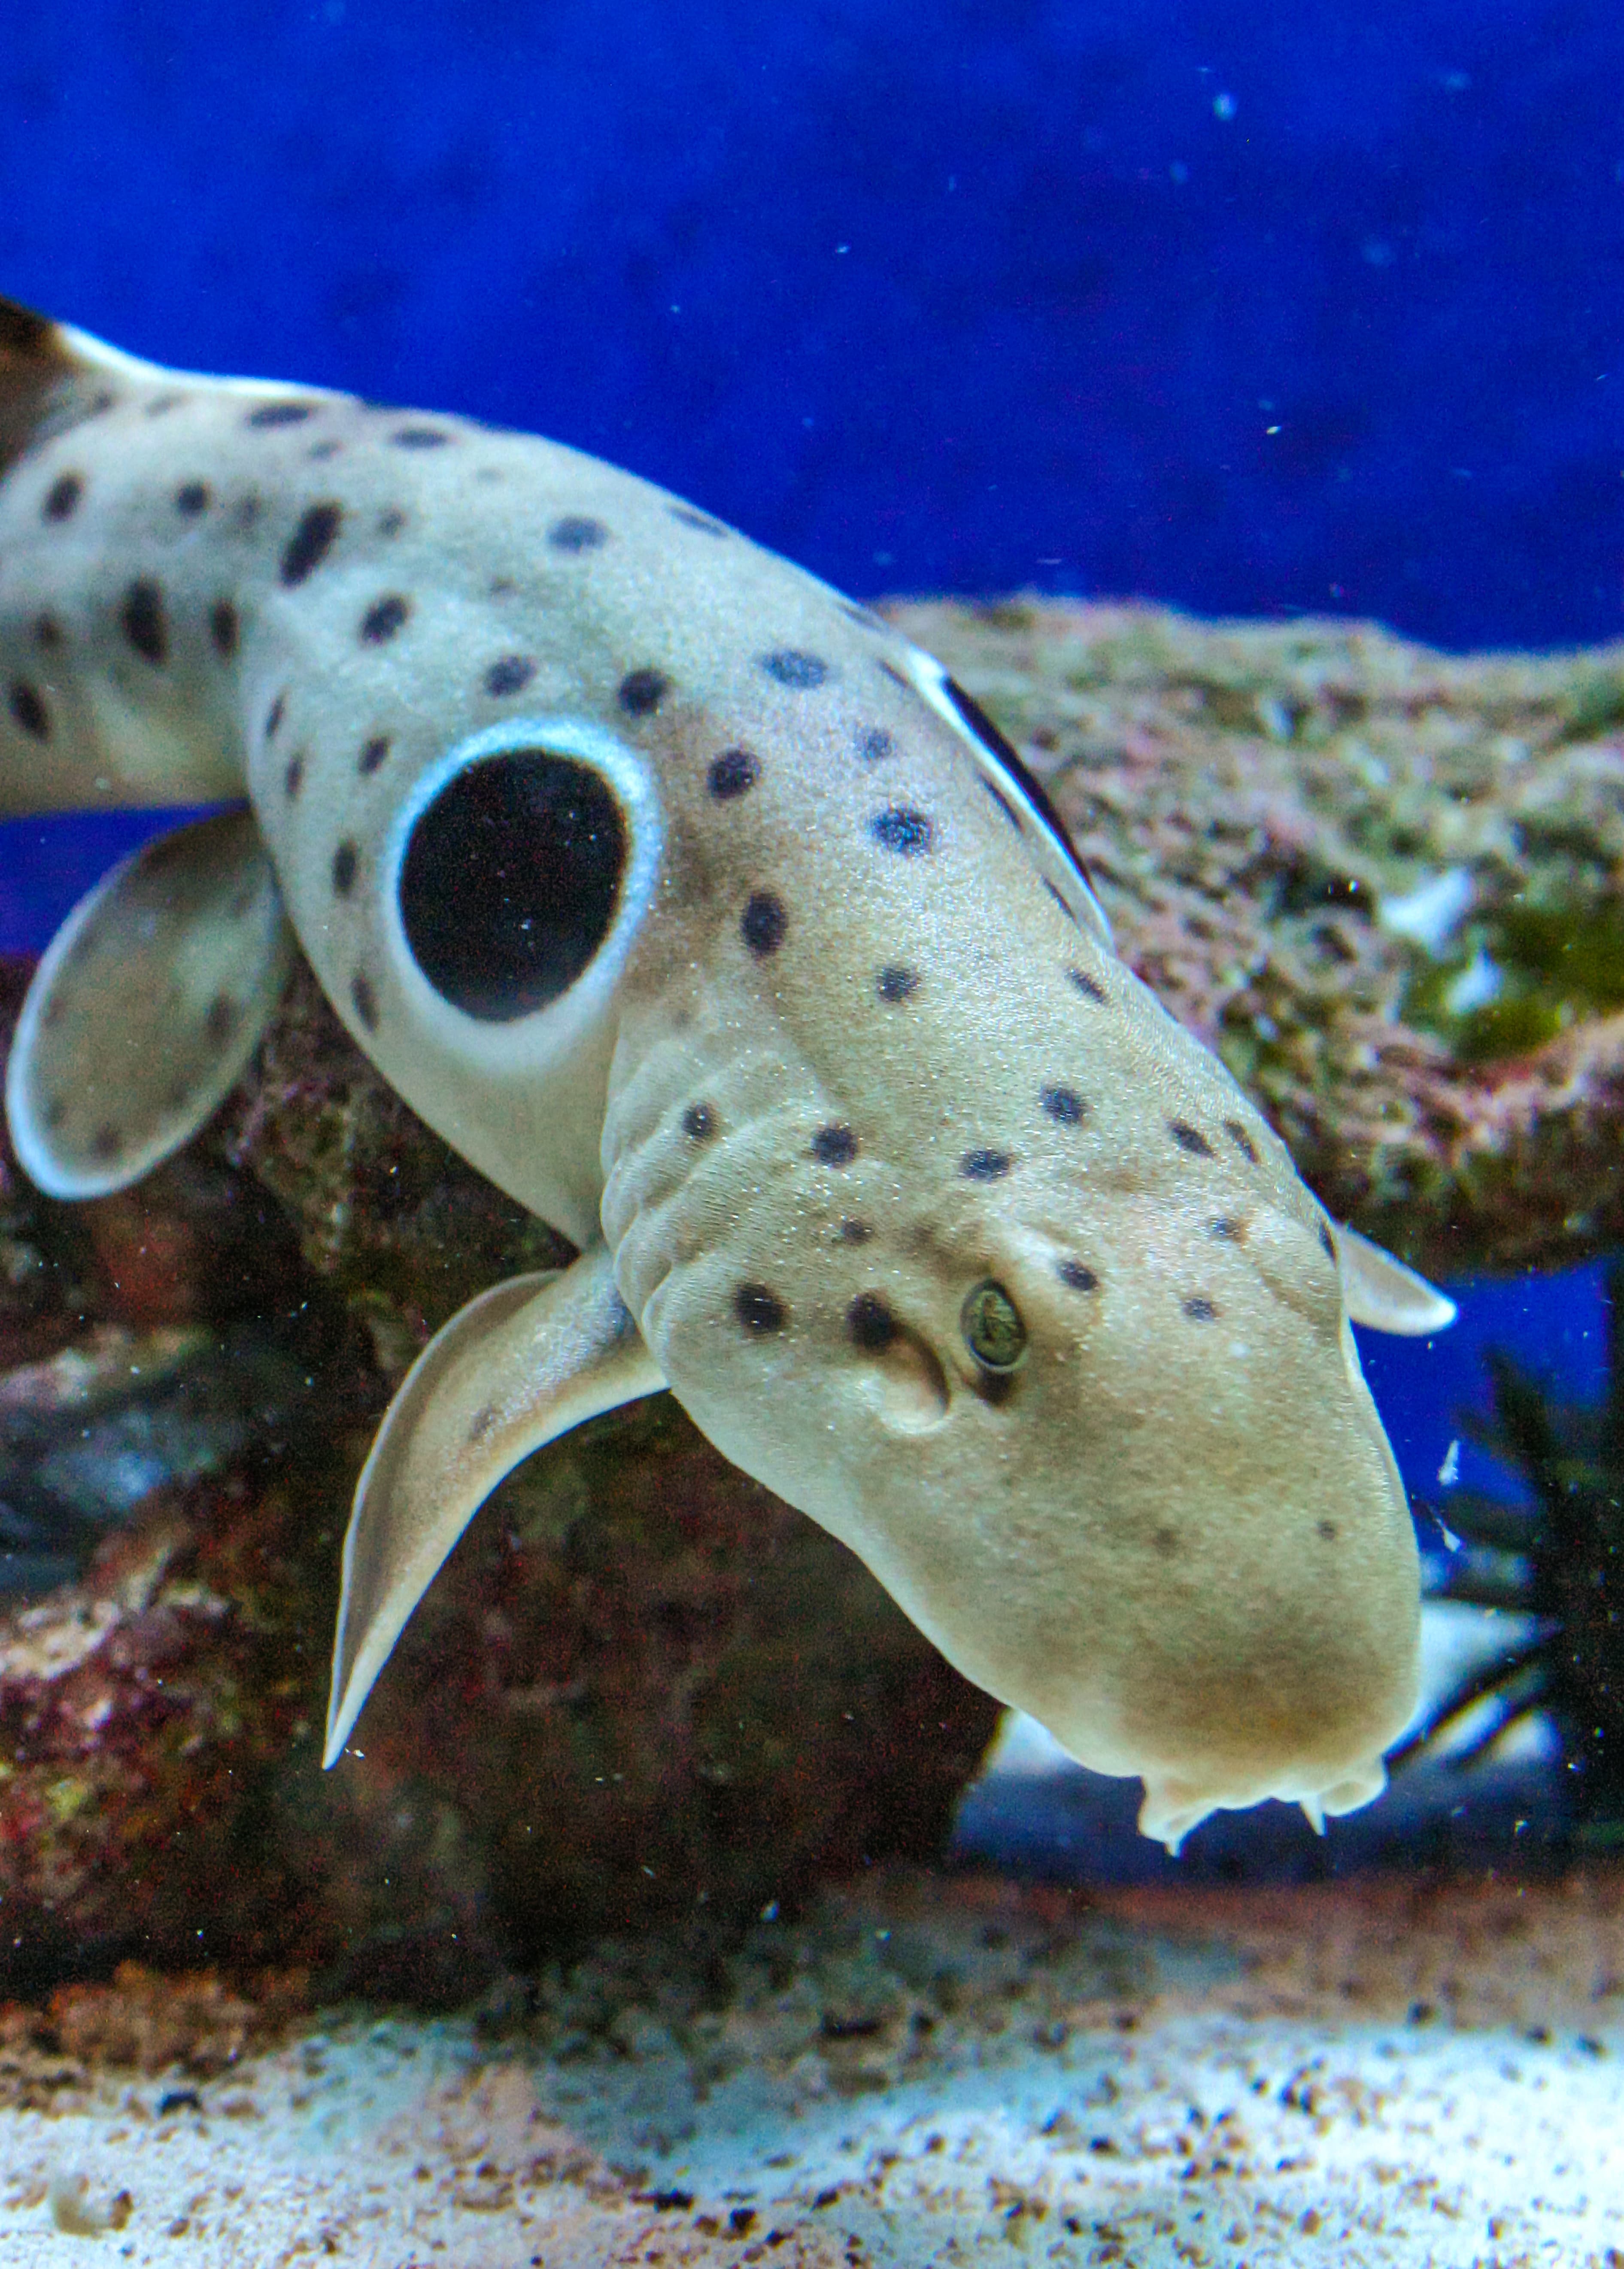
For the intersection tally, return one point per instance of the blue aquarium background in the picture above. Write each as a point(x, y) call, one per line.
point(1256, 311)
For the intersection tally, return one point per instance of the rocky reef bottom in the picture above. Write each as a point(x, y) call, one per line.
point(925, 2069)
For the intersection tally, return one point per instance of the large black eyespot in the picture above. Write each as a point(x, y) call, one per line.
point(511, 880)
point(993, 1327)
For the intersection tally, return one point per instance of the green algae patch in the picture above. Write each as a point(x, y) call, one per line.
point(1551, 968)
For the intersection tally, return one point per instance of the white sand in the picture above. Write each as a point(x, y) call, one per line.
point(1001, 2076)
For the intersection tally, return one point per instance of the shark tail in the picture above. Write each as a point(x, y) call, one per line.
point(51, 377)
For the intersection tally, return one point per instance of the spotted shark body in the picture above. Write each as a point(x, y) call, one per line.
point(714, 923)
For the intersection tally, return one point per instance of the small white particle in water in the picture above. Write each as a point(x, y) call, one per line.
point(1448, 1472)
point(1224, 106)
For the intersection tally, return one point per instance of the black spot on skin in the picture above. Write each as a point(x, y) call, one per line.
point(894, 983)
point(345, 861)
point(698, 1122)
point(1242, 1140)
point(764, 923)
point(62, 499)
point(1076, 1278)
point(223, 628)
point(29, 711)
point(511, 882)
point(1200, 1311)
point(391, 522)
point(1090, 989)
point(801, 672)
point(1325, 1529)
point(480, 1424)
point(320, 451)
point(576, 533)
point(1188, 1138)
point(274, 716)
point(502, 587)
point(162, 404)
point(700, 521)
point(641, 692)
point(871, 1323)
point(221, 1021)
point(1005, 806)
point(142, 619)
point(191, 499)
point(984, 1165)
point(854, 1232)
point(293, 778)
point(1166, 1541)
point(908, 833)
point(373, 755)
point(55, 1112)
point(759, 1310)
point(874, 748)
point(1058, 896)
point(418, 437)
point(1064, 1104)
point(834, 1146)
point(381, 621)
point(511, 675)
point(47, 634)
point(310, 542)
point(246, 513)
point(732, 774)
point(279, 413)
point(365, 1002)
point(1327, 1242)
point(107, 1144)
point(1227, 1230)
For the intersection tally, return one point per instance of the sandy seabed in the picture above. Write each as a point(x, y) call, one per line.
point(924, 2070)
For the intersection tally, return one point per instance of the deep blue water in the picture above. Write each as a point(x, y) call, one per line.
point(1245, 306)
point(1248, 309)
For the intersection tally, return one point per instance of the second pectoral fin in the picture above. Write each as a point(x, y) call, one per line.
point(517, 1367)
point(1386, 1296)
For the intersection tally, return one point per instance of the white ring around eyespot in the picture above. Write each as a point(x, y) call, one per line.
point(514, 1045)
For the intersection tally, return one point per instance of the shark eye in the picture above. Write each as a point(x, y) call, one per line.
point(993, 1327)
point(511, 881)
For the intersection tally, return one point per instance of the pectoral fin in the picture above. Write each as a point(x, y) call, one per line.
point(146, 1008)
point(1384, 1295)
point(517, 1367)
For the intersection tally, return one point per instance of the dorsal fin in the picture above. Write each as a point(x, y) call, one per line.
point(51, 377)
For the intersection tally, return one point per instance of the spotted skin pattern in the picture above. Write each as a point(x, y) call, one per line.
point(712, 923)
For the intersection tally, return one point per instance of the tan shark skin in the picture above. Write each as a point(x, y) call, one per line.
point(847, 1044)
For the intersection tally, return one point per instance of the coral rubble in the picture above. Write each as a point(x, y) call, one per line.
point(1386, 884)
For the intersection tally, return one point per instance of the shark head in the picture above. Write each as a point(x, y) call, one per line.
point(1128, 1477)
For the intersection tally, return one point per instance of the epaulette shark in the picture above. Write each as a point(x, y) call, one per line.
point(712, 920)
